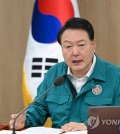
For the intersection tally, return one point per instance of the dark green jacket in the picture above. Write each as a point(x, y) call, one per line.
point(59, 103)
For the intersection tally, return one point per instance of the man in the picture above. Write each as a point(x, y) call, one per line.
point(89, 81)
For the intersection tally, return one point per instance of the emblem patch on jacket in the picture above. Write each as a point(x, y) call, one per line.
point(97, 89)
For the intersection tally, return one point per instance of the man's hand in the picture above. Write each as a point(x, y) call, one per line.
point(73, 126)
point(20, 122)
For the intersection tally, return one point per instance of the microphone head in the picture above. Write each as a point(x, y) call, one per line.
point(59, 80)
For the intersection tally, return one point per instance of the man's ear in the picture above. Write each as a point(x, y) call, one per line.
point(94, 45)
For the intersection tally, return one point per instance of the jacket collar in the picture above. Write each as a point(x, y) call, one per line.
point(99, 70)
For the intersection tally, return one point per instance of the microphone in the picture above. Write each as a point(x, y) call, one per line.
point(57, 82)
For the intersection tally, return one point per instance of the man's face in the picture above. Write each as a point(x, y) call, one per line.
point(77, 50)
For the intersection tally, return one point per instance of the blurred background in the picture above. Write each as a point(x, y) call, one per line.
point(15, 20)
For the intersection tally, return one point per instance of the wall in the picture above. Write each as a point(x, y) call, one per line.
point(15, 19)
point(105, 17)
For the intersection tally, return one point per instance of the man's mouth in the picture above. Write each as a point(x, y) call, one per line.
point(77, 61)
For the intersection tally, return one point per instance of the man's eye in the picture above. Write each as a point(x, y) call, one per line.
point(81, 45)
point(68, 46)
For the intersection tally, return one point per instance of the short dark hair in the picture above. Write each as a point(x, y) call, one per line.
point(77, 23)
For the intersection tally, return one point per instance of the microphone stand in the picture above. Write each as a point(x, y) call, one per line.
point(14, 129)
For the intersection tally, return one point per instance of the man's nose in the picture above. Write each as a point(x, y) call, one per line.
point(75, 51)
